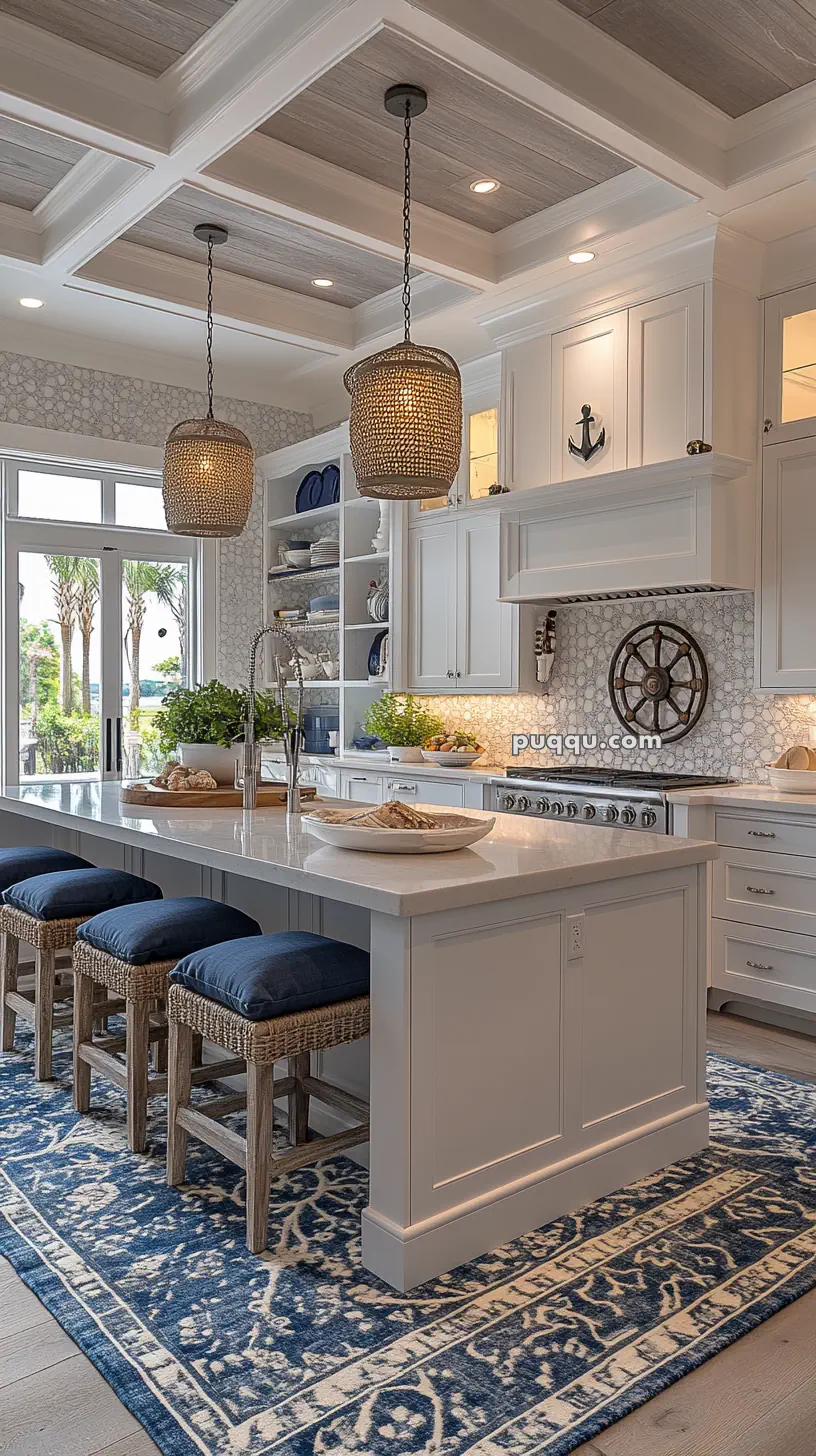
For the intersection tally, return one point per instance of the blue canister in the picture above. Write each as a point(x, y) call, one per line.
point(318, 723)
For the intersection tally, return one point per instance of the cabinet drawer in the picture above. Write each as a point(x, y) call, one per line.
point(772, 966)
point(426, 791)
point(760, 831)
point(324, 779)
point(766, 889)
point(366, 787)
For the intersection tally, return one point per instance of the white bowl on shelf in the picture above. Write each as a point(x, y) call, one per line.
point(793, 780)
point(299, 558)
point(457, 758)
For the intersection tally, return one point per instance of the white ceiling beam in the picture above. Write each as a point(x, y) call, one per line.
point(128, 270)
point(274, 178)
point(20, 238)
point(547, 56)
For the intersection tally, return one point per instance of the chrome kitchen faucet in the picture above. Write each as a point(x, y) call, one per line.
point(247, 779)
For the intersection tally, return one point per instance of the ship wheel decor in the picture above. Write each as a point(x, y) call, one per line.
point(658, 680)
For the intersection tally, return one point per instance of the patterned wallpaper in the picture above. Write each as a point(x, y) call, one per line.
point(92, 402)
point(738, 732)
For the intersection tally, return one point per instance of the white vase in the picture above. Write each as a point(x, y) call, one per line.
point(382, 539)
point(405, 755)
point(220, 762)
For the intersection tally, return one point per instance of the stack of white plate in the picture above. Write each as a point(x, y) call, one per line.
point(325, 552)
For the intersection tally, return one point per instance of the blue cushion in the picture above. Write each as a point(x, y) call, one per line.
point(273, 975)
point(165, 931)
point(78, 892)
point(25, 860)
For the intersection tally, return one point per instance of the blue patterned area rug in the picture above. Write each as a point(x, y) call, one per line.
point(534, 1348)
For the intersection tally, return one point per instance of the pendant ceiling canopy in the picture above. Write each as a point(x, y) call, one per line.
point(406, 402)
point(209, 465)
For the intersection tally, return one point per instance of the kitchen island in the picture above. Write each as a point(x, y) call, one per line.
point(537, 1001)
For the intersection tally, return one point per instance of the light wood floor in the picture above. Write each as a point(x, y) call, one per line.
point(757, 1398)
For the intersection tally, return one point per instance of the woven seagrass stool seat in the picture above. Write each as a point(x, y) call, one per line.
point(272, 997)
point(131, 952)
point(45, 910)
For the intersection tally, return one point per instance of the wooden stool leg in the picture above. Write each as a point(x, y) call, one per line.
point(9, 957)
point(43, 1013)
point(180, 1065)
point(198, 1049)
point(84, 993)
point(136, 1051)
point(160, 1047)
point(259, 1153)
point(299, 1067)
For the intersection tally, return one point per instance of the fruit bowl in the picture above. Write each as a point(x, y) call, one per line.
point(793, 780)
point(454, 758)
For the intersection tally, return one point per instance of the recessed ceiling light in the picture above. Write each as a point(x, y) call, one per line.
point(581, 257)
point(485, 184)
point(323, 283)
point(31, 302)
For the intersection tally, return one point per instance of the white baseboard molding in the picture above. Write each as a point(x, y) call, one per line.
point(407, 1257)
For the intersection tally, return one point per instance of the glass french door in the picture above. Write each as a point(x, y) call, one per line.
point(100, 625)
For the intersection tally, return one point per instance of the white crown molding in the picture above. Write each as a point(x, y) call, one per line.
point(481, 376)
point(89, 186)
point(789, 262)
point(315, 449)
point(20, 237)
point(378, 317)
point(61, 447)
point(25, 41)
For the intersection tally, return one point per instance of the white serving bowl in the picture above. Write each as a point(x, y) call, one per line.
point(399, 841)
point(457, 758)
point(793, 780)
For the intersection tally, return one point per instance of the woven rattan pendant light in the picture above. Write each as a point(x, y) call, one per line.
point(208, 465)
point(406, 402)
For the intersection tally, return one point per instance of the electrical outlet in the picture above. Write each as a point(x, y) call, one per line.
point(575, 937)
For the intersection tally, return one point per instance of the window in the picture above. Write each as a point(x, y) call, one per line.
point(103, 612)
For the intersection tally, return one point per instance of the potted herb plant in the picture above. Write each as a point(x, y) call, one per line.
point(403, 725)
point(203, 725)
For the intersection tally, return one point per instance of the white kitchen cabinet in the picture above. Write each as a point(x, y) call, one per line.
point(790, 366)
point(446, 792)
point(787, 581)
point(665, 387)
point(589, 366)
point(367, 787)
point(524, 416)
point(461, 637)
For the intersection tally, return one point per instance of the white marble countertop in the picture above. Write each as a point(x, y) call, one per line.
point(381, 764)
point(745, 796)
point(518, 857)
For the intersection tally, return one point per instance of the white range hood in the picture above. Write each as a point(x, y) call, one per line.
point(681, 525)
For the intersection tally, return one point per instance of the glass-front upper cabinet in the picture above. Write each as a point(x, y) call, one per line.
point(479, 469)
point(790, 366)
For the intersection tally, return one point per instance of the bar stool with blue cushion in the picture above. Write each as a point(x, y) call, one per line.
point(131, 951)
point(46, 911)
point(274, 996)
point(16, 864)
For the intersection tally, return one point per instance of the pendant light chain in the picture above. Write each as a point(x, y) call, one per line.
point(406, 225)
point(210, 328)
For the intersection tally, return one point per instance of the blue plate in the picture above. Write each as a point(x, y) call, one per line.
point(309, 492)
point(331, 486)
point(375, 652)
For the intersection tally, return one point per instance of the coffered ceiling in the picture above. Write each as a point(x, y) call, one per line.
point(148, 35)
point(738, 54)
point(32, 162)
point(268, 249)
point(470, 130)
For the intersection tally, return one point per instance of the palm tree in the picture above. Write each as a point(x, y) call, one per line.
point(178, 607)
point(87, 597)
point(142, 579)
point(63, 571)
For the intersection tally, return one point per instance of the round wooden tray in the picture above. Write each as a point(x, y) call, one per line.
point(145, 794)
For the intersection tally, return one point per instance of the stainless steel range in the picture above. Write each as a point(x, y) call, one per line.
point(607, 796)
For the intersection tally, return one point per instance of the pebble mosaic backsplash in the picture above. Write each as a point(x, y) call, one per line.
point(740, 730)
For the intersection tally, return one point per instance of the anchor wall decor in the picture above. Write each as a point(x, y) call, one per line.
point(586, 449)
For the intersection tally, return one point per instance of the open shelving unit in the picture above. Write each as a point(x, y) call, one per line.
point(353, 521)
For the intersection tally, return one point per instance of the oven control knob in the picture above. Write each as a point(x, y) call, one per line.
point(556, 807)
point(572, 810)
point(609, 813)
point(522, 804)
point(628, 816)
point(542, 806)
point(648, 818)
point(508, 801)
point(589, 811)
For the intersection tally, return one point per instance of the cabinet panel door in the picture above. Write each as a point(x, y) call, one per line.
point(665, 376)
point(524, 415)
point(485, 627)
point(365, 787)
point(432, 607)
point(790, 365)
point(589, 367)
point(447, 792)
point(787, 595)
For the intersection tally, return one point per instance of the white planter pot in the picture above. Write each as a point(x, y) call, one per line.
point(405, 755)
point(218, 761)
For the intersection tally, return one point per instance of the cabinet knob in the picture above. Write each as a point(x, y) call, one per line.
point(767, 425)
point(458, 674)
point(449, 672)
point(762, 833)
point(758, 890)
point(758, 966)
point(405, 788)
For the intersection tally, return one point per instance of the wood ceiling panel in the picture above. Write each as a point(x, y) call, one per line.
point(470, 130)
point(267, 249)
point(738, 54)
point(148, 35)
point(32, 162)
